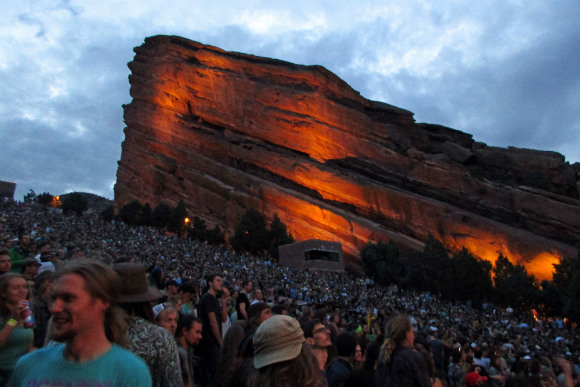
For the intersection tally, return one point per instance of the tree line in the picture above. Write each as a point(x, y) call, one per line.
point(251, 235)
point(464, 277)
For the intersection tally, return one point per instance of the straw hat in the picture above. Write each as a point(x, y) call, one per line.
point(277, 339)
point(134, 286)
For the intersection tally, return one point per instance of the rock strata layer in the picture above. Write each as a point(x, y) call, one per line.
point(225, 131)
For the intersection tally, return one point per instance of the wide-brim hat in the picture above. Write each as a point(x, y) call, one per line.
point(277, 339)
point(134, 287)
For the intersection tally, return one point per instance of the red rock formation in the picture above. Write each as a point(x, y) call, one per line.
point(224, 131)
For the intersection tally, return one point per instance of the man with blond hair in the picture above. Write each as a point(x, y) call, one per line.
point(91, 331)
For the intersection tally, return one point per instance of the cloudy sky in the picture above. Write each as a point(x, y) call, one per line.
point(505, 71)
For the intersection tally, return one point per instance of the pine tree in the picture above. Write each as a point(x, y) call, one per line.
point(251, 233)
point(176, 221)
point(278, 236)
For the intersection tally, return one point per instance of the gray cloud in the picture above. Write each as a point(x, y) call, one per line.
point(506, 72)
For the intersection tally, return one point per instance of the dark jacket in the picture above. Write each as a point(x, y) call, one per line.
point(407, 368)
point(337, 372)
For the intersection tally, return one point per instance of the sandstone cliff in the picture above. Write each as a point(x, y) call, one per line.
point(224, 131)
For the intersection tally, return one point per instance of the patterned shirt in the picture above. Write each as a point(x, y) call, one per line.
point(158, 348)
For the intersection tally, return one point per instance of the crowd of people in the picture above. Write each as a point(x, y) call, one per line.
point(197, 314)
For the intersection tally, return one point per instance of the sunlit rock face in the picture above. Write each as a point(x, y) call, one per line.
point(225, 131)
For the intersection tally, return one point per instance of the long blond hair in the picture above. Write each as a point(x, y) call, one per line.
point(102, 282)
point(396, 332)
point(4, 283)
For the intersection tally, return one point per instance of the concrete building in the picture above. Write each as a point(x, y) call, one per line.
point(7, 189)
point(313, 255)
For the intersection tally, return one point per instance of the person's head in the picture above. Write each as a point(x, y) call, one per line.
point(258, 295)
point(84, 302)
point(45, 252)
point(358, 353)
point(281, 358)
point(6, 242)
point(30, 268)
point(307, 312)
point(171, 288)
point(167, 318)
point(215, 283)
point(176, 302)
point(257, 314)
point(5, 262)
point(299, 371)
point(277, 339)
point(247, 286)
point(316, 334)
point(43, 283)
point(345, 345)
point(188, 330)
point(398, 331)
point(335, 318)
point(136, 295)
point(24, 239)
point(13, 289)
point(77, 253)
point(279, 309)
point(43, 247)
point(187, 291)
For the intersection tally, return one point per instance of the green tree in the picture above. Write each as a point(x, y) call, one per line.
point(75, 203)
point(160, 215)
point(198, 231)
point(131, 212)
point(30, 197)
point(251, 234)
point(502, 270)
point(176, 221)
point(108, 213)
point(563, 275)
point(278, 236)
point(216, 236)
point(383, 262)
point(393, 268)
point(418, 276)
point(371, 255)
point(567, 281)
point(44, 198)
point(513, 285)
point(550, 299)
point(469, 278)
point(432, 267)
point(145, 215)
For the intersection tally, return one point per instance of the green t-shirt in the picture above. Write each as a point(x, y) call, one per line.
point(16, 259)
point(48, 367)
point(18, 343)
